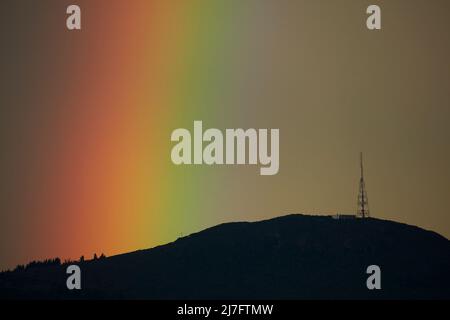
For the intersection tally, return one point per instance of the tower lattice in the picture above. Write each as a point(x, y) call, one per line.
point(363, 202)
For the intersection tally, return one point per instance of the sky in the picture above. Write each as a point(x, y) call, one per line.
point(86, 117)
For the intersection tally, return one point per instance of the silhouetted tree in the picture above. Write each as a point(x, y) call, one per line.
point(43, 263)
point(82, 259)
point(19, 267)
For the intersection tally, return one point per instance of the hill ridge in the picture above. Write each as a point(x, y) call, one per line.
point(294, 256)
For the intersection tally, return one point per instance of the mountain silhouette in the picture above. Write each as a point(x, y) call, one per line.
point(289, 257)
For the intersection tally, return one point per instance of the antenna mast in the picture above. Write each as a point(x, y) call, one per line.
point(363, 202)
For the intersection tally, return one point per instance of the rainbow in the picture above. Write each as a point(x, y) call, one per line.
point(102, 176)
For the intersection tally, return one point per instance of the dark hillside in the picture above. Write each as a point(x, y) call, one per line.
point(293, 257)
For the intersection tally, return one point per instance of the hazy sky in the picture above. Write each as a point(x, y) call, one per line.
point(309, 68)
